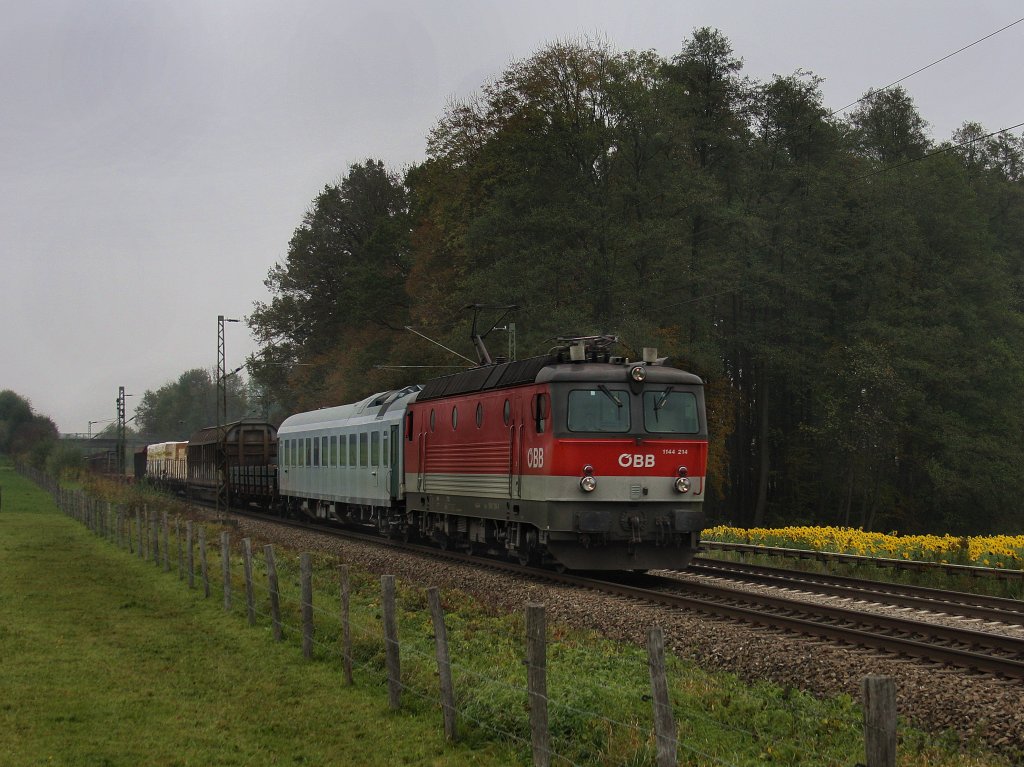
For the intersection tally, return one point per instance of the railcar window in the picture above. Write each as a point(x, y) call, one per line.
point(351, 450)
point(431, 420)
point(316, 451)
point(307, 459)
point(670, 412)
point(599, 410)
point(506, 412)
point(541, 405)
point(375, 448)
point(479, 414)
point(363, 451)
point(455, 418)
point(334, 450)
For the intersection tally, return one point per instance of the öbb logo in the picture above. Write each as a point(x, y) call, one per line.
point(636, 460)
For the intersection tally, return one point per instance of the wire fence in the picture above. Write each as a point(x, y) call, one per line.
point(544, 703)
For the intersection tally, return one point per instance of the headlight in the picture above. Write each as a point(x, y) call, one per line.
point(588, 483)
point(683, 484)
point(638, 373)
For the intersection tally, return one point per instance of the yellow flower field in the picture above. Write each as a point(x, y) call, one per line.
point(1005, 551)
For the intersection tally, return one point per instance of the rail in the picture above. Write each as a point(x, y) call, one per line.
point(859, 559)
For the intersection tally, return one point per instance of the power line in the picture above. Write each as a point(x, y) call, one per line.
point(941, 150)
point(869, 94)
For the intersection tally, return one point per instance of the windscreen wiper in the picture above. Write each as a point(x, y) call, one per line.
point(607, 393)
point(664, 398)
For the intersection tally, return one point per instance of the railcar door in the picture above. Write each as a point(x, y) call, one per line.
point(514, 422)
point(394, 464)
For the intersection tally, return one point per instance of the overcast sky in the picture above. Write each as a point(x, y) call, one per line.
point(155, 157)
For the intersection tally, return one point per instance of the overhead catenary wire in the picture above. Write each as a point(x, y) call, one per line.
point(941, 150)
point(871, 93)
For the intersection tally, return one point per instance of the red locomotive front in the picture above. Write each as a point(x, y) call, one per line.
point(576, 458)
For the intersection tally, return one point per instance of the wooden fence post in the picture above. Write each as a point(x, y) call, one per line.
point(225, 563)
point(275, 594)
point(306, 567)
point(879, 721)
point(154, 525)
point(536, 680)
point(664, 721)
point(444, 666)
point(138, 523)
point(250, 593)
point(191, 555)
point(391, 649)
point(181, 555)
point(167, 544)
point(203, 568)
point(346, 629)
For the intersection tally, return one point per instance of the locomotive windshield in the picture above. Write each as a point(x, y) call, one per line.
point(600, 409)
point(670, 411)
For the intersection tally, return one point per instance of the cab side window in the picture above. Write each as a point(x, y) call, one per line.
point(541, 412)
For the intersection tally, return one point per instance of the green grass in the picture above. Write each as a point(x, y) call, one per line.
point(108, 660)
point(105, 660)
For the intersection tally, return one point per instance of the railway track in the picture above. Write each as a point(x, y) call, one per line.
point(972, 571)
point(939, 601)
point(976, 650)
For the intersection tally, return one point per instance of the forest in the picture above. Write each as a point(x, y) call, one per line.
point(850, 291)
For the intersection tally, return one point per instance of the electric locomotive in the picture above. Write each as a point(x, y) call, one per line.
point(577, 458)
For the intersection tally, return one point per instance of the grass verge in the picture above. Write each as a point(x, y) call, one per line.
point(107, 660)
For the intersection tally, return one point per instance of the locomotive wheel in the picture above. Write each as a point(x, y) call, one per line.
point(526, 553)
